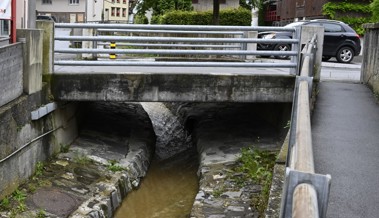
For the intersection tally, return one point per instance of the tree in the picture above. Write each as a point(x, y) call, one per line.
point(375, 10)
point(160, 7)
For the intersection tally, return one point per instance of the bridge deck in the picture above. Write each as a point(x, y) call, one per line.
point(172, 84)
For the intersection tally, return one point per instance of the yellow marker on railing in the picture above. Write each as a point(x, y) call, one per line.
point(112, 55)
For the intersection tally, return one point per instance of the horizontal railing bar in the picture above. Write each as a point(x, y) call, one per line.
point(174, 64)
point(173, 39)
point(171, 31)
point(176, 52)
point(173, 27)
point(171, 45)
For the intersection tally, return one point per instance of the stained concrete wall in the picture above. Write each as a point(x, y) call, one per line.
point(32, 59)
point(23, 141)
point(11, 84)
point(172, 87)
point(370, 63)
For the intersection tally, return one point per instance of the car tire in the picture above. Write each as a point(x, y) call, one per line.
point(282, 47)
point(326, 58)
point(345, 55)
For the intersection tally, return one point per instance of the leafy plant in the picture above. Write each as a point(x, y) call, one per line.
point(114, 167)
point(375, 10)
point(41, 214)
point(21, 207)
point(39, 169)
point(19, 196)
point(353, 13)
point(5, 204)
point(258, 166)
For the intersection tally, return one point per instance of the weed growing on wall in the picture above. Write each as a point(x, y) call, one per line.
point(258, 166)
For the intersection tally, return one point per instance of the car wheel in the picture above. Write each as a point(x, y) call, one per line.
point(326, 58)
point(282, 47)
point(345, 55)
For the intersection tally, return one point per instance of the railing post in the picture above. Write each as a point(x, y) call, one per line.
point(296, 47)
point(88, 44)
point(244, 45)
point(251, 46)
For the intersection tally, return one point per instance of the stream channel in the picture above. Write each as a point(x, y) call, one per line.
point(171, 183)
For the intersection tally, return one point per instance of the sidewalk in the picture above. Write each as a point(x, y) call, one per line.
point(345, 127)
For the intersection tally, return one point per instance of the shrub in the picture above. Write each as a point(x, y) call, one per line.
point(230, 17)
point(140, 19)
point(375, 10)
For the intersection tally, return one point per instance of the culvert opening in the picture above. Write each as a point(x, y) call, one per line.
point(206, 123)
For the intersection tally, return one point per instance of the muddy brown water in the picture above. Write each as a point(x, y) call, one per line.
point(168, 190)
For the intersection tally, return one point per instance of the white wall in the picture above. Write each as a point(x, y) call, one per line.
point(60, 6)
point(206, 5)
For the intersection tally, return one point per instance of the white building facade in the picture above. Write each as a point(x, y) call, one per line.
point(207, 5)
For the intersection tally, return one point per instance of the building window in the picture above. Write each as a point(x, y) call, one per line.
point(113, 11)
point(46, 2)
point(195, 1)
point(118, 1)
point(124, 12)
point(118, 12)
point(124, 1)
point(73, 2)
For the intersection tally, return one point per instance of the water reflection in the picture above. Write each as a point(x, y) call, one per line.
point(167, 191)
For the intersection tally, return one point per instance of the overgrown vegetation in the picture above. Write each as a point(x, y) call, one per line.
point(258, 166)
point(353, 13)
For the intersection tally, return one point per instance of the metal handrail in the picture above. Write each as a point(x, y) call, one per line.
point(305, 193)
point(214, 42)
point(173, 27)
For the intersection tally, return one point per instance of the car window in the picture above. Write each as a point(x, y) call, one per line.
point(331, 27)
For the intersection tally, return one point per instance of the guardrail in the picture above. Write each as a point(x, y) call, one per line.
point(305, 193)
point(205, 46)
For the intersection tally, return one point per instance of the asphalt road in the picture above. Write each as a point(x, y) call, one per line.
point(345, 135)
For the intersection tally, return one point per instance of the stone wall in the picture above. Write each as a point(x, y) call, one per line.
point(370, 63)
point(10, 72)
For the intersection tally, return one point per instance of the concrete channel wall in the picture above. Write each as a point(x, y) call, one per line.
point(25, 141)
point(370, 63)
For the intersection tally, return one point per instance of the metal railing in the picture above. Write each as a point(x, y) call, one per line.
point(305, 193)
point(174, 45)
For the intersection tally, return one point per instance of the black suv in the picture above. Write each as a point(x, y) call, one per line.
point(340, 40)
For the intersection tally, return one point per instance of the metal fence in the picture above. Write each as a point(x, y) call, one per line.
point(305, 193)
point(173, 45)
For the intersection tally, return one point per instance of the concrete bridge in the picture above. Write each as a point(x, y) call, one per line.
point(225, 69)
point(228, 83)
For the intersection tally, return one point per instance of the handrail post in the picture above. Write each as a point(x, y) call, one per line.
point(244, 45)
point(251, 46)
point(296, 47)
